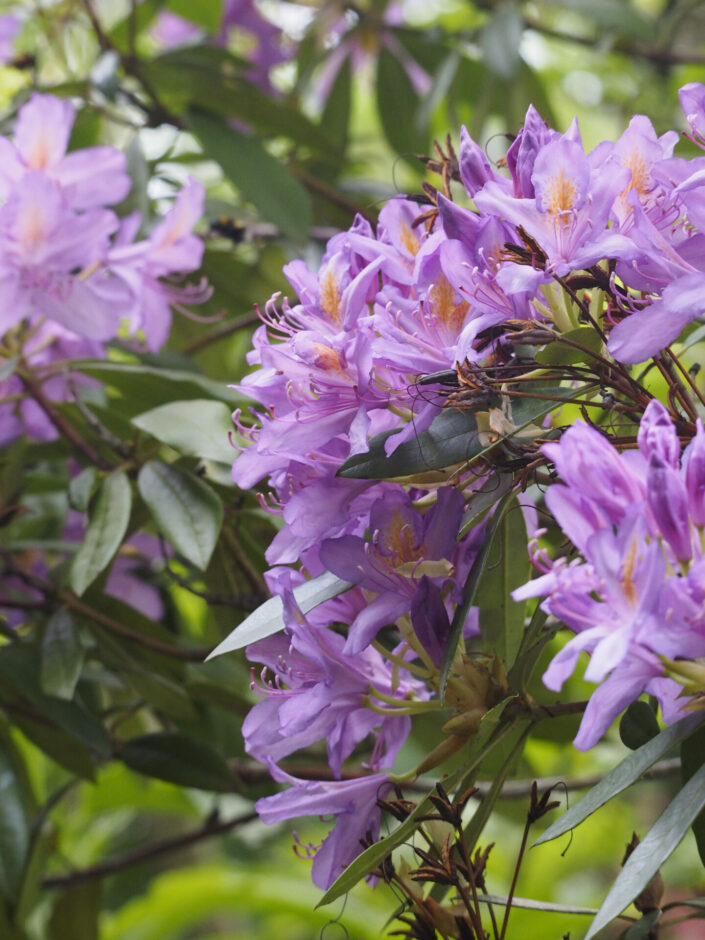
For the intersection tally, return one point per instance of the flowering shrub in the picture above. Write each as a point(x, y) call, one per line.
point(563, 270)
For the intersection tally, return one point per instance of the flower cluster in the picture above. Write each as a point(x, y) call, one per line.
point(342, 365)
point(73, 274)
point(635, 594)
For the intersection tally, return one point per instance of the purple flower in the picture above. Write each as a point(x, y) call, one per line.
point(353, 803)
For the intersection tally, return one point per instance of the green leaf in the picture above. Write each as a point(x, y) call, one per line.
point(105, 531)
point(653, 850)
point(452, 438)
point(692, 759)
point(61, 656)
point(368, 860)
point(506, 568)
point(398, 103)
point(269, 617)
point(622, 776)
point(500, 40)
point(205, 13)
point(336, 113)
point(75, 913)
point(261, 179)
point(638, 725)
point(178, 758)
point(187, 512)
point(642, 927)
point(81, 489)
point(14, 824)
point(560, 352)
point(197, 428)
point(151, 380)
point(19, 673)
point(8, 366)
point(469, 592)
point(479, 501)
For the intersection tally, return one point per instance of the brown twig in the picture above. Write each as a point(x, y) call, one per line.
point(226, 329)
point(155, 850)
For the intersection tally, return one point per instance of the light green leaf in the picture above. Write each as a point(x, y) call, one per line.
point(262, 179)
point(105, 531)
point(178, 758)
point(653, 850)
point(397, 103)
point(500, 40)
point(61, 656)
point(187, 512)
point(197, 428)
point(81, 489)
point(269, 617)
point(561, 352)
point(205, 13)
point(622, 776)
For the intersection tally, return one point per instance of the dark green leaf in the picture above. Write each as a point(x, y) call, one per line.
point(500, 40)
point(178, 758)
point(261, 179)
point(653, 850)
point(642, 927)
point(105, 531)
point(205, 13)
point(692, 759)
point(469, 592)
point(61, 656)
point(75, 913)
point(185, 510)
point(622, 776)
point(452, 438)
point(81, 489)
point(397, 103)
point(269, 617)
point(197, 428)
point(189, 76)
point(19, 674)
point(479, 501)
point(162, 693)
point(507, 567)
point(560, 352)
point(638, 725)
point(14, 824)
point(137, 376)
point(57, 745)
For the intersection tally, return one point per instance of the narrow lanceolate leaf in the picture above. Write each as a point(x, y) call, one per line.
point(187, 512)
point(178, 758)
point(692, 759)
point(656, 846)
point(198, 428)
point(623, 776)
point(62, 656)
point(269, 617)
point(469, 593)
point(261, 178)
point(507, 567)
point(105, 531)
point(14, 825)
